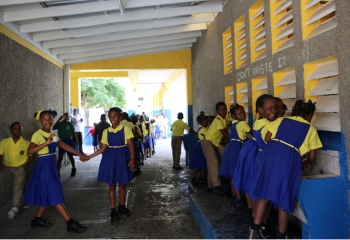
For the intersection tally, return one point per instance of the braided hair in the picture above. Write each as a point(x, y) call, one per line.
point(280, 100)
point(117, 109)
point(234, 107)
point(303, 109)
point(38, 114)
point(201, 117)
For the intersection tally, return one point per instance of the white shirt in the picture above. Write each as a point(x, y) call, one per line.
point(76, 120)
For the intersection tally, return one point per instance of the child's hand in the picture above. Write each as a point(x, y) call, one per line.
point(131, 164)
point(50, 139)
point(83, 158)
point(306, 165)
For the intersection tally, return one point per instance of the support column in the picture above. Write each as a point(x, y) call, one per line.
point(66, 88)
point(75, 91)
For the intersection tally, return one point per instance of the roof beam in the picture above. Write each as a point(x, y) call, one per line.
point(177, 73)
point(128, 42)
point(126, 49)
point(98, 74)
point(46, 36)
point(128, 16)
point(123, 36)
point(127, 54)
point(15, 2)
point(134, 78)
point(81, 8)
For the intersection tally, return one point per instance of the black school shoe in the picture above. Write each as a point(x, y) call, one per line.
point(115, 216)
point(41, 222)
point(138, 171)
point(255, 234)
point(123, 210)
point(75, 226)
point(74, 171)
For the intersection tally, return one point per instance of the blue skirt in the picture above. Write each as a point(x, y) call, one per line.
point(278, 176)
point(229, 159)
point(244, 176)
point(114, 166)
point(44, 187)
point(147, 143)
point(198, 160)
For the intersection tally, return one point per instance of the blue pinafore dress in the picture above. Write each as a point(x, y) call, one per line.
point(244, 177)
point(198, 160)
point(137, 148)
point(230, 156)
point(147, 143)
point(280, 165)
point(115, 159)
point(44, 187)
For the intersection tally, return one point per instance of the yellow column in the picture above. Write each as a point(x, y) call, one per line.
point(75, 92)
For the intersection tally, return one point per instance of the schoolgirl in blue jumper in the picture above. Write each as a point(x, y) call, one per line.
point(198, 161)
point(251, 150)
point(117, 161)
point(239, 129)
point(137, 144)
point(44, 187)
point(280, 164)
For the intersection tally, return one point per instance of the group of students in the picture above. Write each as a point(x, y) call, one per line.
point(124, 146)
point(265, 162)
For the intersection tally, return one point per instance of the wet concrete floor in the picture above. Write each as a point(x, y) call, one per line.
point(158, 199)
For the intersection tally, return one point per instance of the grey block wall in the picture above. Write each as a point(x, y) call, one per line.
point(28, 83)
point(208, 73)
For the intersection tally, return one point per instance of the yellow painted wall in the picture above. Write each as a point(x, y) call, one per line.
point(75, 99)
point(98, 74)
point(167, 60)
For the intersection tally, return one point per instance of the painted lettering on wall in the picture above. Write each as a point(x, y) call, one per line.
point(262, 69)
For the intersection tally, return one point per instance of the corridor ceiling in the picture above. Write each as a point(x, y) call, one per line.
point(78, 31)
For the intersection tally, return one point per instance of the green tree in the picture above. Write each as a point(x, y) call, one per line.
point(101, 93)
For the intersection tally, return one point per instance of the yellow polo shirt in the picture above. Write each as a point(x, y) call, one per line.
point(127, 133)
point(15, 154)
point(213, 134)
point(144, 130)
point(260, 124)
point(311, 141)
point(138, 131)
point(202, 132)
point(128, 124)
point(242, 128)
point(178, 127)
point(38, 138)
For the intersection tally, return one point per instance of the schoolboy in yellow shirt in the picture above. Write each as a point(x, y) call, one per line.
point(178, 127)
point(13, 151)
point(210, 145)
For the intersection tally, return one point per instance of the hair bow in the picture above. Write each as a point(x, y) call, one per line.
point(37, 117)
point(53, 113)
point(310, 102)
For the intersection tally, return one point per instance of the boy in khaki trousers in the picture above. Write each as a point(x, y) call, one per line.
point(13, 152)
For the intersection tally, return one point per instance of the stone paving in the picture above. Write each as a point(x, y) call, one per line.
point(158, 198)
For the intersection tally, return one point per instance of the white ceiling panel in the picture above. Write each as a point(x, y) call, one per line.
point(75, 31)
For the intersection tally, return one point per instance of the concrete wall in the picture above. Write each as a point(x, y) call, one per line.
point(28, 83)
point(209, 79)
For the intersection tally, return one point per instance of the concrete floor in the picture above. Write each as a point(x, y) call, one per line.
point(158, 199)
